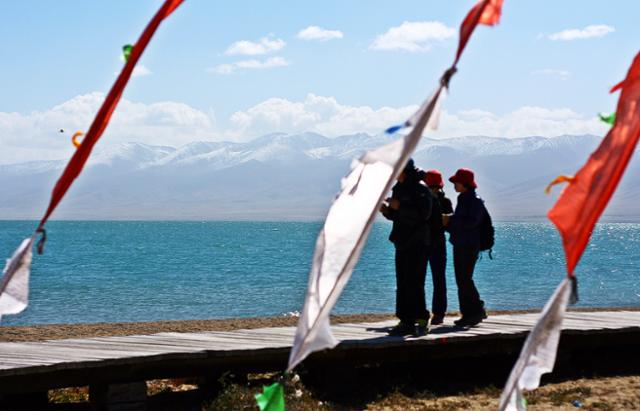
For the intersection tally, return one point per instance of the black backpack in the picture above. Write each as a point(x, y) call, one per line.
point(487, 233)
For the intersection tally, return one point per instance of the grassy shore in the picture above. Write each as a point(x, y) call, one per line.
point(595, 393)
point(604, 393)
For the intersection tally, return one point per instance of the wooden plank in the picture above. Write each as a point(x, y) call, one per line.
point(619, 321)
point(17, 363)
point(271, 338)
point(506, 328)
point(92, 348)
point(167, 343)
point(79, 351)
point(579, 325)
point(527, 320)
point(617, 314)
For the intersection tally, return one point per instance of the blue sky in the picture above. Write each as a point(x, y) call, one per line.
point(526, 76)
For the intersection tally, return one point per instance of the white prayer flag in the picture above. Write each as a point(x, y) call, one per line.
point(347, 227)
point(14, 286)
point(538, 354)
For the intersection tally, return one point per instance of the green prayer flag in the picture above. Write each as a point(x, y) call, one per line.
point(609, 119)
point(126, 51)
point(272, 398)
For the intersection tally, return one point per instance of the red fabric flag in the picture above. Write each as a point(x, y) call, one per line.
point(484, 12)
point(79, 158)
point(584, 199)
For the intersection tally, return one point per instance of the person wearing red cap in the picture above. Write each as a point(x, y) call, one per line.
point(438, 249)
point(464, 233)
point(410, 208)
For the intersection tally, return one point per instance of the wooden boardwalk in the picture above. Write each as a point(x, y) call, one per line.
point(102, 360)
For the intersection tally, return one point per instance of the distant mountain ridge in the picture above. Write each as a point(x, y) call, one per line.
point(289, 176)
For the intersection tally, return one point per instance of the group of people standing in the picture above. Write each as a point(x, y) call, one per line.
point(421, 214)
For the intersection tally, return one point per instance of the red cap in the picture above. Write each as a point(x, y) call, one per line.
point(465, 177)
point(433, 178)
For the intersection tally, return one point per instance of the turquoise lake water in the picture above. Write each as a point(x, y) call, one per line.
point(115, 271)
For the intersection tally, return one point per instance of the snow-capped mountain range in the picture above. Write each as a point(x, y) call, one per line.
point(289, 176)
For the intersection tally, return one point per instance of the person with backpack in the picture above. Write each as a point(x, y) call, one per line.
point(465, 226)
point(437, 251)
point(410, 208)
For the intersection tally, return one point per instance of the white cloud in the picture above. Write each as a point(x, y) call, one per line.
point(592, 31)
point(248, 48)
point(320, 34)
point(222, 69)
point(325, 115)
point(249, 64)
point(257, 64)
point(522, 122)
point(140, 71)
point(413, 36)
point(36, 135)
point(555, 73)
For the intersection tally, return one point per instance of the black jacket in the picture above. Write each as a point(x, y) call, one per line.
point(441, 205)
point(464, 224)
point(411, 219)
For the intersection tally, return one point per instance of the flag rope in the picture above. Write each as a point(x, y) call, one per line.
point(20, 262)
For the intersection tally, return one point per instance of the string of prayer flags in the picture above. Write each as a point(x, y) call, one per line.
point(354, 210)
point(75, 137)
point(272, 398)
point(345, 231)
point(126, 51)
point(608, 118)
point(538, 354)
point(394, 129)
point(100, 122)
point(575, 215)
point(415, 118)
point(485, 12)
point(16, 273)
point(14, 288)
point(585, 197)
point(556, 181)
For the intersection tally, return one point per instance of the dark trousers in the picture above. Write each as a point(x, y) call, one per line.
point(411, 269)
point(438, 263)
point(464, 261)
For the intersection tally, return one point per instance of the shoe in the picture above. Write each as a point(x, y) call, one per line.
point(422, 328)
point(437, 319)
point(402, 328)
point(471, 320)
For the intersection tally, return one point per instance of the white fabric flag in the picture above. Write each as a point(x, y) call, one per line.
point(14, 286)
point(346, 229)
point(538, 355)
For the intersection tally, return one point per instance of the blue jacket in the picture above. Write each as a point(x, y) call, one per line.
point(464, 224)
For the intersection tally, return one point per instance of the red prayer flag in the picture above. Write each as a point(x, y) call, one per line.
point(484, 12)
point(585, 198)
point(79, 158)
